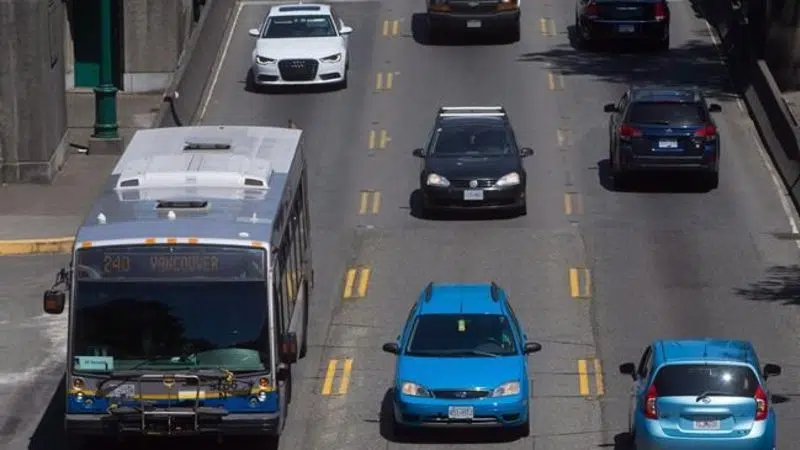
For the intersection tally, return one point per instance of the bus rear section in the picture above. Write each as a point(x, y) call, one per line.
point(175, 340)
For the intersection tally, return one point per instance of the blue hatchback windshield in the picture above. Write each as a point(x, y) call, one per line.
point(299, 27)
point(461, 335)
point(667, 113)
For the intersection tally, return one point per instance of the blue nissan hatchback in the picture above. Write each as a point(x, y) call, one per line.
point(704, 394)
point(462, 361)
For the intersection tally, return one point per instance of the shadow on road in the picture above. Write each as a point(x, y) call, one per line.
point(779, 284)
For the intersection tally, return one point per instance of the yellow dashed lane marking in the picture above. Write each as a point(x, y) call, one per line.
point(378, 139)
point(370, 203)
point(555, 81)
point(580, 282)
point(331, 377)
point(356, 282)
point(391, 28)
point(547, 26)
point(384, 81)
point(588, 369)
point(573, 204)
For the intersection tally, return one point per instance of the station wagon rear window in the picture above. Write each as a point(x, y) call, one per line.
point(667, 113)
point(694, 379)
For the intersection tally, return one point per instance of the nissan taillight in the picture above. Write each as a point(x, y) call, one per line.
point(626, 132)
point(762, 404)
point(660, 12)
point(708, 133)
point(650, 410)
point(592, 10)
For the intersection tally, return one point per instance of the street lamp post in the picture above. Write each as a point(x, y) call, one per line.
point(105, 126)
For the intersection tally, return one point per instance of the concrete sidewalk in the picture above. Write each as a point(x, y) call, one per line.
point(43, 218)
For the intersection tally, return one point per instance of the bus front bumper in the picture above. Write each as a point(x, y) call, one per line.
point(262, 424)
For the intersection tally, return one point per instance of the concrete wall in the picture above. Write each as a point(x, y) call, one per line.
point(782, 47)
point(154, 35)
point(32, 100)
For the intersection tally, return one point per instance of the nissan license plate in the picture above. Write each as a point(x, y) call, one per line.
point(626, 28)
point(473, 24)
point(461, 412)
point(473, 195)
point(706, 424)
point(667, 144)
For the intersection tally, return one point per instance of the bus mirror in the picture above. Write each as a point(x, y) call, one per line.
point(289, 348)
point(54, 301)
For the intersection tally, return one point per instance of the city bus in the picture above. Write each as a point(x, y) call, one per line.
point(189, 286)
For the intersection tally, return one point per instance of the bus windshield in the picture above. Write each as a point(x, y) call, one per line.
point(164, 325)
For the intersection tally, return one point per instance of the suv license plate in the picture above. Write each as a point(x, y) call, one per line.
point(473, 24)
point(668, 143)
point(460, 412)
point(475, 195)
point(706, 425)
point(626, 28)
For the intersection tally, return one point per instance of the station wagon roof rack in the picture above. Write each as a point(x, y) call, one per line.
point(428, 292)
point(495, 290)
point(451, 111)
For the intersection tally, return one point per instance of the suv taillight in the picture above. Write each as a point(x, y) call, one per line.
point(626, 132)
point(708, 132)
point(650, 410)
point(762, 404)
point(660, 12)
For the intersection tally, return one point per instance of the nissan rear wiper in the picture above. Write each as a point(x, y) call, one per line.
point(707, 394)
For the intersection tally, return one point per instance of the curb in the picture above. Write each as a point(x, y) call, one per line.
point(40, 246)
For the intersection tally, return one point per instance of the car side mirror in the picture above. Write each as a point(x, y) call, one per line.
point(714, 108)
point(610, 108)
point(54, 301)
point(255, 32)
point(628, 368)
point(418, 152)
point(771, 370)
point(288, 352)
point(345, 30)
point(525, 152)
point(391, 347)
point(532, 347)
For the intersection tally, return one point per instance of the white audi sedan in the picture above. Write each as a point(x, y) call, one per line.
point(302, 44)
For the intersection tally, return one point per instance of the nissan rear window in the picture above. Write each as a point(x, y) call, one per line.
point(694, 379)
point(667, 113)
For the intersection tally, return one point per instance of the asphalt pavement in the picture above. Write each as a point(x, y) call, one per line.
point(594, 275)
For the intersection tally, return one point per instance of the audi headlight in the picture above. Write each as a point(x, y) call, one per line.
point(509, 179)
point(506, 389)
point(415, 390)
point(437, 180)
point(264, 60)
point(333, 58)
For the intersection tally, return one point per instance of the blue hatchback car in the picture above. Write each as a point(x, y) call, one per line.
point(704, 394)
point(462, 361)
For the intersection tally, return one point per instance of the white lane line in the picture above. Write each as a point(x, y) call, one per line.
point(221, 62)
point(780, 187)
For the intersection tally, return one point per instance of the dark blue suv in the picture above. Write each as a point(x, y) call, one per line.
point(656, 128)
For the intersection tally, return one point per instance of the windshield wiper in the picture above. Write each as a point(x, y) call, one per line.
point(707, 394)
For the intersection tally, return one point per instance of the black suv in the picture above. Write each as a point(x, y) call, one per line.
point(619, 20)
point(472, 161)
point(449, 17)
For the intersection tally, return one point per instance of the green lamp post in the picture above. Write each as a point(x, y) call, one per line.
point(105, 126)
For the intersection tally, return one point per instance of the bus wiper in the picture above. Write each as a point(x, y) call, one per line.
point(127, 374)
point(707, 394)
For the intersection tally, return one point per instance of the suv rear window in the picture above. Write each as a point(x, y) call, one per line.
point(694, 379)
point(667, 113)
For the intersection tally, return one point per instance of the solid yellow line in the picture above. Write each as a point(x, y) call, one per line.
point(386, 28)
point(348, 368)
point(371, 139)
point(379, 81)
point(349, 282)
point(327, 385)
point(568, 207)
point(598, 377)
point(36, 246)
point(389, 79)
point(551, 81)
point(363, 282)
point(543, 26)
point(362, 208)
point(574, 283)
point(376, 202)
point(560, 137)
point(552, 30)
point(395, 28)
point(583, 378)
point(587, 283)
point(384, 139)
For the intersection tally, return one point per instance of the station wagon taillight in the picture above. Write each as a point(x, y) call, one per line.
point(592, 10)
point(627, 131)
point(660, 12)
point(762, 404)
point(650, 398)
point(708, 132)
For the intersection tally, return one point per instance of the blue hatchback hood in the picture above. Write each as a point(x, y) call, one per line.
point(460, 373)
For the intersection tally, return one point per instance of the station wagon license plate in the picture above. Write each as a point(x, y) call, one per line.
point(706, 424)
point(473, 195)
point(668, 144)
point(474, 24)
point(626, 28)
point(461, 412)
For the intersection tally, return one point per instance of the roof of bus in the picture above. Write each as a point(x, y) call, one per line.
point(229, 178)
